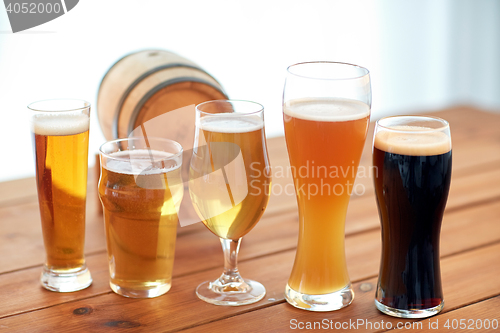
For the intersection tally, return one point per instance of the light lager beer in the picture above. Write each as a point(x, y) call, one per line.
point(60, 140)
point(140, 190)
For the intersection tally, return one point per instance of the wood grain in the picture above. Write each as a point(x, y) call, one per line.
point(460, 276)
point(180, 308)
point(470, 250)
point(199, 252)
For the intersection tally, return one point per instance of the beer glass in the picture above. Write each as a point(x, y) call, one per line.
point(412, 173)
point(141, 189)
point(326, 112)
point(60, 133)
point(229, 187)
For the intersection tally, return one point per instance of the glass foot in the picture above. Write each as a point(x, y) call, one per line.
point(232, 293)
point(66, 281)
point(142, 291)
point(324, 302)
point(412, 313)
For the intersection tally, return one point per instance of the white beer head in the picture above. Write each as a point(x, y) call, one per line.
point(412, 135)
point(326, 109)
point(59, 124)
point(231, 123)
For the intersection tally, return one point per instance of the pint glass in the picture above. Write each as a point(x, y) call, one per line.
point(412, 166)
point(141, 189)
point(326, 111)
point(60, 132)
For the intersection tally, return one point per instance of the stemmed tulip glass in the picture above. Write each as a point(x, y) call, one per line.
point(229, 186)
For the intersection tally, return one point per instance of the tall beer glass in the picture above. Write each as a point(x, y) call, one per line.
point(412, 166)
point(141, 189)
point(229, 187)
point(326, 111)
point(60, 132)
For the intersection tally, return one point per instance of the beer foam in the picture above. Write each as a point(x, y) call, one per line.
point(231, 123)
point(326, 109)
point(413, 141)
point(59, 124)
point(140, 161)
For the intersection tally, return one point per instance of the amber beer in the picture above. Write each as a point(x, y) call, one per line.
point(140, 191)
point(325, 138)
point(237, 162)
point(412, 185)
point(60, 141)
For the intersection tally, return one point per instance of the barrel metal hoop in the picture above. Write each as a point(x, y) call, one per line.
point(116, 63)
point(122, 58)
point(142, 77)
point(157, 88)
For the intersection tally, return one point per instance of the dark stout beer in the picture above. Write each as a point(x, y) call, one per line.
point(412, 180)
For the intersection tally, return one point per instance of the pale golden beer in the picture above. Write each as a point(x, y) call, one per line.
point(326, 112)
point(329, 148)
point(140, 199)
point(239, 138)
point(60, 141)
point(229, 186)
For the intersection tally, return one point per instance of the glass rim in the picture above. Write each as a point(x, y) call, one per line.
point(355, 77)
point(116, 141)
point(229, 101)
point(86, 105)
point(445, 124)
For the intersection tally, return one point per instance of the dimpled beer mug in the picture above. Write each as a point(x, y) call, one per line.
point(141, 189)
point(60, 132)
point(229, 187)
point(326, 111)
point(412, 165)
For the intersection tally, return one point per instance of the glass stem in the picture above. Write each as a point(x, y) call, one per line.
point(230, 248)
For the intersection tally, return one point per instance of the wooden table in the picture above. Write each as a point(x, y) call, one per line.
point(470, 249)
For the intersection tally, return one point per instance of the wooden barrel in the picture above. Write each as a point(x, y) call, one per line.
point(152, 84)
point(149, 83)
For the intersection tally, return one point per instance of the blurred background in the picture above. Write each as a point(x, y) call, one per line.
point(423, 55)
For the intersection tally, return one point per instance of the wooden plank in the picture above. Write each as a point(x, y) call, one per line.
point(24, 248)
point(271, 239)
point(20, 231)
point(21, 237)
point(21, 290)
point(475, 168)
point(470, 151)
point(19, 190)
point(476, 147)
point(199, 252)
point(461, 231)
point(470, 127)
point(180, 308)
point(473, 122)
point(473, 189)
point(459, 286)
